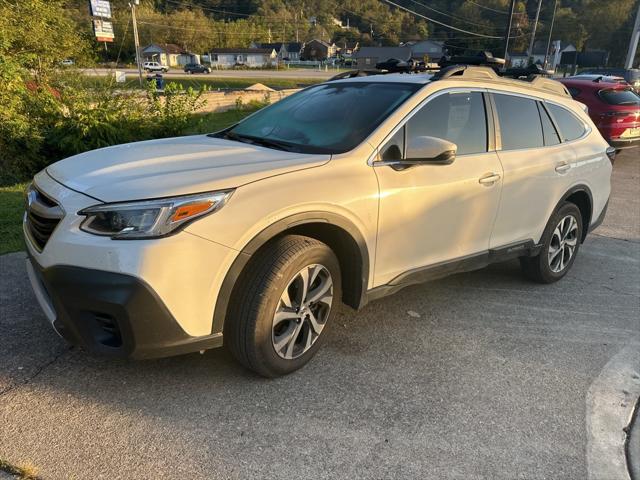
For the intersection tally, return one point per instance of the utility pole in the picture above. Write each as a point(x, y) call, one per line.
point(533, 32)
point(506, 41)
point(633, 43)
point(135, 37)
point(553, 19)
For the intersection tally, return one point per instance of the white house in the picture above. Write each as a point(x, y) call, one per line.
point(249, 57)
point(168, 54)
point(557, 48)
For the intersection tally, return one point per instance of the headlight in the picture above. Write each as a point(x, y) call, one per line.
point(150, 218)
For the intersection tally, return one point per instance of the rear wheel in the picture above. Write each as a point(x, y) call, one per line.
point(286, 299)
point(560, 245)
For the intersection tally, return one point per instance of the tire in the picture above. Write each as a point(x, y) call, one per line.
point(261, 331)
point(550, 265)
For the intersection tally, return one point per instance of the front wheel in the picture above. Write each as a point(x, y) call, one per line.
point(286, 298)
point(560, 244)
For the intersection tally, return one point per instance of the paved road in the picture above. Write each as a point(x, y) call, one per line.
point(489, 382)
point(284, 73)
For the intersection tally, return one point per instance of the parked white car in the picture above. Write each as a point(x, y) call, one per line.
point(342, 193)
point(154, 67)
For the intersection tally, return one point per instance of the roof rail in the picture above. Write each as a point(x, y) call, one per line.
point(466, 72)
point(550, 85)
point(473, 72)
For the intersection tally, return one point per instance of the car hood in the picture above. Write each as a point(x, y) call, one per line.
point(174, 166)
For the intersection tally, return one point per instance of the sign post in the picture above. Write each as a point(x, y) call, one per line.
point(133, 4)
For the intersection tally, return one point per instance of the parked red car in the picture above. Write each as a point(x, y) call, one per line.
point(614, 108)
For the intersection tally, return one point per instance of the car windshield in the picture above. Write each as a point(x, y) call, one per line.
point(620, 97)
point(328, 118)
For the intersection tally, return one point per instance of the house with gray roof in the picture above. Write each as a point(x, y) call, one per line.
point(246, 57)
point(367, 57)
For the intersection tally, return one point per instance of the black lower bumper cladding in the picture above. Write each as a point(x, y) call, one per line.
point(115, 314)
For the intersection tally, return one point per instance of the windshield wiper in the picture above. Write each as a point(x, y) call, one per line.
point(265, 142)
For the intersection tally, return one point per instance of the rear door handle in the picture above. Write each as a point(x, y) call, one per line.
point(489, 179)
point(563, 167)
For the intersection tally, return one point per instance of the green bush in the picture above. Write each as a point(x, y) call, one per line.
point(171, 111)
point(48, 112)
point(61, 119)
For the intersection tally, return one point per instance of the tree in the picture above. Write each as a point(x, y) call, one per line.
point(38, 35)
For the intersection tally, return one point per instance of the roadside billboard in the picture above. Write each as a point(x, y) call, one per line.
point(100, 8)
point(103, 30)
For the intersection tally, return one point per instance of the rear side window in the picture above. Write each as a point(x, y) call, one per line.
point(520, 125)
point(570, 127)
point(619, 97)
point(549, 132)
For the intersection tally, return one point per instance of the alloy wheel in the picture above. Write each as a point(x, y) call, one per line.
point(563, 244)
point(302, 311)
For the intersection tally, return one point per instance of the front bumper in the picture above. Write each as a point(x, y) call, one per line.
point(111, 313)
point(162, 293)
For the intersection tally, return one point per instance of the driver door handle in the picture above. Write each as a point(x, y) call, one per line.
point(489, 179)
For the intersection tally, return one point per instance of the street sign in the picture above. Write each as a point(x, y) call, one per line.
point(121, 76)
point(103, 30)
point(100, 8)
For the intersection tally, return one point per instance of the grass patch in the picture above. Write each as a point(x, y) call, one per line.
point(199, 81)
point(11, 210)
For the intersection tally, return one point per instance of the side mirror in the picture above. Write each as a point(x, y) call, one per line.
point(430, 150)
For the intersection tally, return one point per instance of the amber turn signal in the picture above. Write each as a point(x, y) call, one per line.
point(186, 211)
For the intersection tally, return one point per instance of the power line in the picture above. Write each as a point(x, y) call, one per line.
point(440, 23)
point(207, 33)
point(455, 16)
point(504, 12)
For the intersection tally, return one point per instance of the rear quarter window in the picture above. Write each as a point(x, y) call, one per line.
point(570, 126)
point(614, 96)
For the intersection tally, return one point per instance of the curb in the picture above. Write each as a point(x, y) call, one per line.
point(632, 444)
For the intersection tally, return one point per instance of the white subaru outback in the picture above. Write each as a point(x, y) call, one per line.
point(344, 192)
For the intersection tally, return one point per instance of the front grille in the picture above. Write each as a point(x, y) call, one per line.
point(43, 215)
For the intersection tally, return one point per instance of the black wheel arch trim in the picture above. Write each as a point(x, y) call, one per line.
point(576, 189)
point(272, 231)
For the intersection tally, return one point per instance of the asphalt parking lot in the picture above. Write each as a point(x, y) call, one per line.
point(481, 375)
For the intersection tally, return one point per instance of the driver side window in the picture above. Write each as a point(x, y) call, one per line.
point(458, 117)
